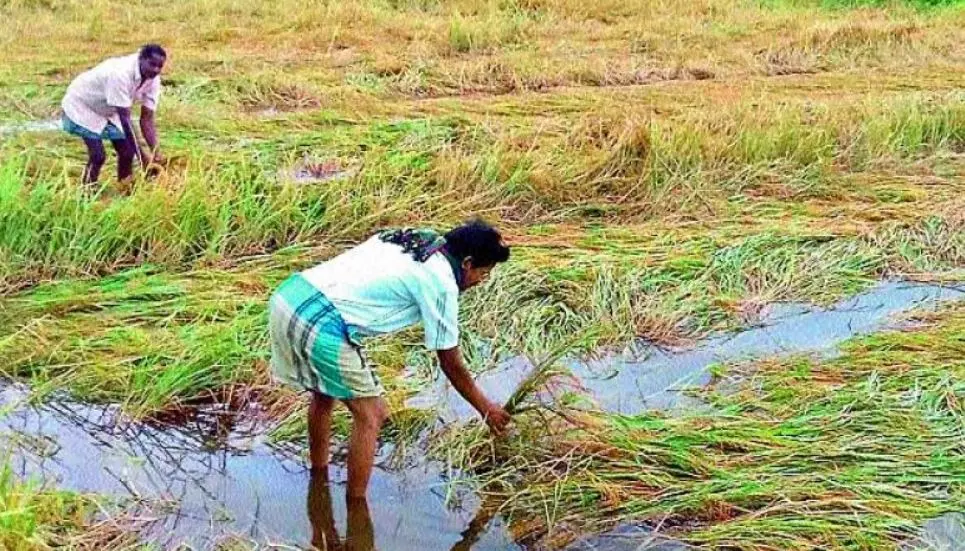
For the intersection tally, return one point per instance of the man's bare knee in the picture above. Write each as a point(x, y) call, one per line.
point(322, 402)
point(382, 412)
point(369, 415)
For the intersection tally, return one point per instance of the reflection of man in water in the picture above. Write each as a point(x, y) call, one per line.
point(392, 281)
point(360, 533)
point(359, 536)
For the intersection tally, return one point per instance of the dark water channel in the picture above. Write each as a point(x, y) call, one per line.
point(242, 486)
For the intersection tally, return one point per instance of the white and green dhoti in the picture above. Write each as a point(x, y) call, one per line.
point(312, 347)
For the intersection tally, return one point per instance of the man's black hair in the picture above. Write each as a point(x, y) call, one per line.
point(477, 239)
point(151, 50)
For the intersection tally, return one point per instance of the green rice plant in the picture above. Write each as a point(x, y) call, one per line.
point(25, 512)
point(543, 371)
point(474, 35)
point(780, 268)
point(147, 341)
point(33, 518)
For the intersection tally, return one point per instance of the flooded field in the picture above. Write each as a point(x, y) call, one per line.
point(656, 378)
point(736, 280)
point(50, 125)
point(207, 488)
point(217, 478)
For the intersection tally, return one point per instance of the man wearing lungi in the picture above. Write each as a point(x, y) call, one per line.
point(393, 280)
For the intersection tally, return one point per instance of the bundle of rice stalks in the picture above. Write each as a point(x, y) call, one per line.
point(469, 448)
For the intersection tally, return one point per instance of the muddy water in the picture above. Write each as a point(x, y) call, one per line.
point(235, 484)
point(634, 382)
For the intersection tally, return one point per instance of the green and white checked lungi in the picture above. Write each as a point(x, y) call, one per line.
point(312, 347)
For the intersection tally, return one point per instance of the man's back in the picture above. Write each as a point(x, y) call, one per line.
point(93, 97)
point(378, 288)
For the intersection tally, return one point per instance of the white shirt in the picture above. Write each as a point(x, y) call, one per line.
point(93, 97)
point(380, 289)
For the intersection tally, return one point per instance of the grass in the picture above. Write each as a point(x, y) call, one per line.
point(36, 519)
point(853, 452)
point(154, 341)
point(662, 170)
point(232, 206)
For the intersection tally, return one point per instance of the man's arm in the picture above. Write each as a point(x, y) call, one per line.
point(149, 131)
point(452, 365)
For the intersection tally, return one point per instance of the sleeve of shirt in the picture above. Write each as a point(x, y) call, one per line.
point(440, 316)
point(152, 94)
point(118, 90)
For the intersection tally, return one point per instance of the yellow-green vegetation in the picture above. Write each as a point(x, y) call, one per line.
point(849, 453)
point(662, 170)
point(35, 519)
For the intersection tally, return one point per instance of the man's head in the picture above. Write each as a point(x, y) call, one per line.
point(151, 60)
point(478, 247)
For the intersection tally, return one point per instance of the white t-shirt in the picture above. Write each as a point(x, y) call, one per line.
point(380, 289)
point(93, 97)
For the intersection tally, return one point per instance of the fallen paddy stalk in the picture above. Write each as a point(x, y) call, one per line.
point(851, 452)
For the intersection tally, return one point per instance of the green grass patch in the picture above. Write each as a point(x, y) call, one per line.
point(34, 518)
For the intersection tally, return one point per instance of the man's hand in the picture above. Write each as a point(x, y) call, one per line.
point(153, 164)
point(497, 418)
point(152, 160)
point(451, 362)
point(145, 157)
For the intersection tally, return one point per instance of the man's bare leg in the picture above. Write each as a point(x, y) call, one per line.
point(96, 157)
point(125, 158)
point(320, 430)
point(368, 414)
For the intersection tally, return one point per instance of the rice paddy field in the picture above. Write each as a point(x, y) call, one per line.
point(664, 171)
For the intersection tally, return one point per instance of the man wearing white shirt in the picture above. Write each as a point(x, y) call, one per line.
point(318, 319)
point(98, 103)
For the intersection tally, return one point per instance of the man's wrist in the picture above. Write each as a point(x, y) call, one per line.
point(484, 406)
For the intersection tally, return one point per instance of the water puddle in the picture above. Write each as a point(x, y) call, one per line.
point(631, 383)
point(628, 537)
point(945, 533)
point(235, 485)
point(48, 125)
point(310, 171)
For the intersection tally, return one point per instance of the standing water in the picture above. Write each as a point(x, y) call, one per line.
point(237, 485)
point(630, 384)
point(49, 125)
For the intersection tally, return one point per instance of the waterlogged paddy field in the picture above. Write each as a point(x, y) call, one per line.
point(665, 173)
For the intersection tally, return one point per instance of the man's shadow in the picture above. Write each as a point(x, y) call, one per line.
point(360, 533)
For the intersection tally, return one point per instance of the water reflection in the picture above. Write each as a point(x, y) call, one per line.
point(359, 532)
point(234, 487)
